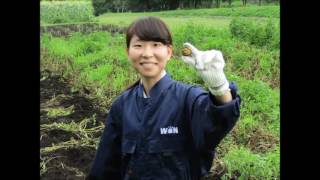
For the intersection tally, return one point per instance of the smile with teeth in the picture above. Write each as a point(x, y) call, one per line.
point(147, 63)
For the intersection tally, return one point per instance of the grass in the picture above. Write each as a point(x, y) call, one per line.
point(123, 20)
point(80, 129)
point(256, 32)
point(248, 11)
point(53, 112)
point(43, 164)
point(65, 11)
point(252, 166)
point(212, 18)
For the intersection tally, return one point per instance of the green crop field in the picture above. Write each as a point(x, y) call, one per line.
point(84, 67)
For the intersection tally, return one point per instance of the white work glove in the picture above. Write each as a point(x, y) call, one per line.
point(209, 65)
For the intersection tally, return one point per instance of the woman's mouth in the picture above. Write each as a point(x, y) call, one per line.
point(147, 63)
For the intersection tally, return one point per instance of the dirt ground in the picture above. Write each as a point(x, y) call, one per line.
point(70, 163)
point(65, 30)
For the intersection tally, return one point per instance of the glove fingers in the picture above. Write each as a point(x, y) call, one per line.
point(188, 60)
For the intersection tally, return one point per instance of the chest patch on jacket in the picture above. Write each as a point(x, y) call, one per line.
point(169, 130)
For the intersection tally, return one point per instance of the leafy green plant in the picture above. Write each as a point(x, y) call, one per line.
point(256, 33)
point(65, 12)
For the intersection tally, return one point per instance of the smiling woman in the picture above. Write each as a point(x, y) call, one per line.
point(149, 49)
point(160, 128)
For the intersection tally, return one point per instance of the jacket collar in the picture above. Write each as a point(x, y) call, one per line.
point(157, 89)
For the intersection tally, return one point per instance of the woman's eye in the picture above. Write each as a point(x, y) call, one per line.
point(157, 44)
point(137, 45)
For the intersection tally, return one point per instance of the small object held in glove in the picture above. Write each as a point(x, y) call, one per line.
point(209, 65)
point(186, 51)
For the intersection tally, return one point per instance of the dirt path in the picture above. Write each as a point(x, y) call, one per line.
point(60, 158)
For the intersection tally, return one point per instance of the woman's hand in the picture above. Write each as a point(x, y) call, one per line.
point(209, 65)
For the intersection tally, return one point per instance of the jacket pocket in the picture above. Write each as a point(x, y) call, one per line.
point(173, 158)
point(176, 164)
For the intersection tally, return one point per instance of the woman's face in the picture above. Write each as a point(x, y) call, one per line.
point(149, 58)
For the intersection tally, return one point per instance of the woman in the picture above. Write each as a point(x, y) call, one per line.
point(160, 128)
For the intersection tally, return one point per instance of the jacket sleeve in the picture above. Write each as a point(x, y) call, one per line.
point(107, 162)
point(210, 122)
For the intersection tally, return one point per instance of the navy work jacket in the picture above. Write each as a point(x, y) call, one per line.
point(170, 135)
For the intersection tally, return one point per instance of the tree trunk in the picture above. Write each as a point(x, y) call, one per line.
point(244, 2)
point(148, 5)
point(218, 3)
point(181, 4)
point(230, 3)
point(259, 2)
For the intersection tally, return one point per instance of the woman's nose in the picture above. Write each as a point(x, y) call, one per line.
point(147, 52)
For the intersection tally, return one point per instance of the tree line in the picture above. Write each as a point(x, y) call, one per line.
point(102, 6)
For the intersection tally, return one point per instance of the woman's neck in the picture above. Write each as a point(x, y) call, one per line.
point(148, 83)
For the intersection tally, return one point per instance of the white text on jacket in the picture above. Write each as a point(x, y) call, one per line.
point(169, 130)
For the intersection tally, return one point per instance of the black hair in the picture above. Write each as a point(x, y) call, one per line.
point(149, 29)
